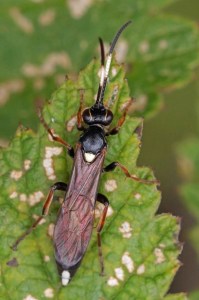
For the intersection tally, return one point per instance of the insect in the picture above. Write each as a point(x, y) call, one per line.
point(75, 219)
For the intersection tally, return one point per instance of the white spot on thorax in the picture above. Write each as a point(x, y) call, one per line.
point(65, 277)
point(119, 273)
point(89, 157)
point(23, 22)
point(141, 269)
point(126, 229)
point(49, 293)
point(112, 281)
point(128, 262)
point(110, 185)
point(159, 255)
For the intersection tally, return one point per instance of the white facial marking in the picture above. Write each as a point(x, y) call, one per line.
point(128, 262)
point(126, 229)
point(89, 157)
point(159, 256)
point(112, 281)
point(141, 269)
point(110, 185)
point(48, 293)
point(119, 273)
point(65, 277)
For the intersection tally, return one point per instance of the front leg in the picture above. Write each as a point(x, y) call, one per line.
point(102, 199)
point(113, 165)
point(121, 121)
point(54, 136)
point(79, 113)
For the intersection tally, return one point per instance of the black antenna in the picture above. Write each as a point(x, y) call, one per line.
point(105, 73)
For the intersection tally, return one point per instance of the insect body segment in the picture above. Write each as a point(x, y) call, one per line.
point(75, 219)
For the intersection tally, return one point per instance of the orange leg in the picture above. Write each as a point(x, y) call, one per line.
point(54, 136)
point(121, 121)
point(113, 165)
point(57, 186)
point(102, 199)
point(79, 113)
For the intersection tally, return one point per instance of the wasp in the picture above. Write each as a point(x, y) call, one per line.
point(75, 219)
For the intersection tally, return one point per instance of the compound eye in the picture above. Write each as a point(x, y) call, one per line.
point(108, 117)
point(87, 116)
point(95, 115)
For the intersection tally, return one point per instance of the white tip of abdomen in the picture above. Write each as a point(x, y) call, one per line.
point(65, 277)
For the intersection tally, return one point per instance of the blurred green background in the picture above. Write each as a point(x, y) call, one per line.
point(42, 40)
point(176, 122)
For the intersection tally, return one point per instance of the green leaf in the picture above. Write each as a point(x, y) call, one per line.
point(188, 162)
point(43, 41)
point(142, 246)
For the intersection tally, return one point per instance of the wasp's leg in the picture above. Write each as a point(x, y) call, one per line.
point(121, 121)
point(61, 186)
point(54, 136)
point(79, 113)
point(113, 165)
point(102, 199)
